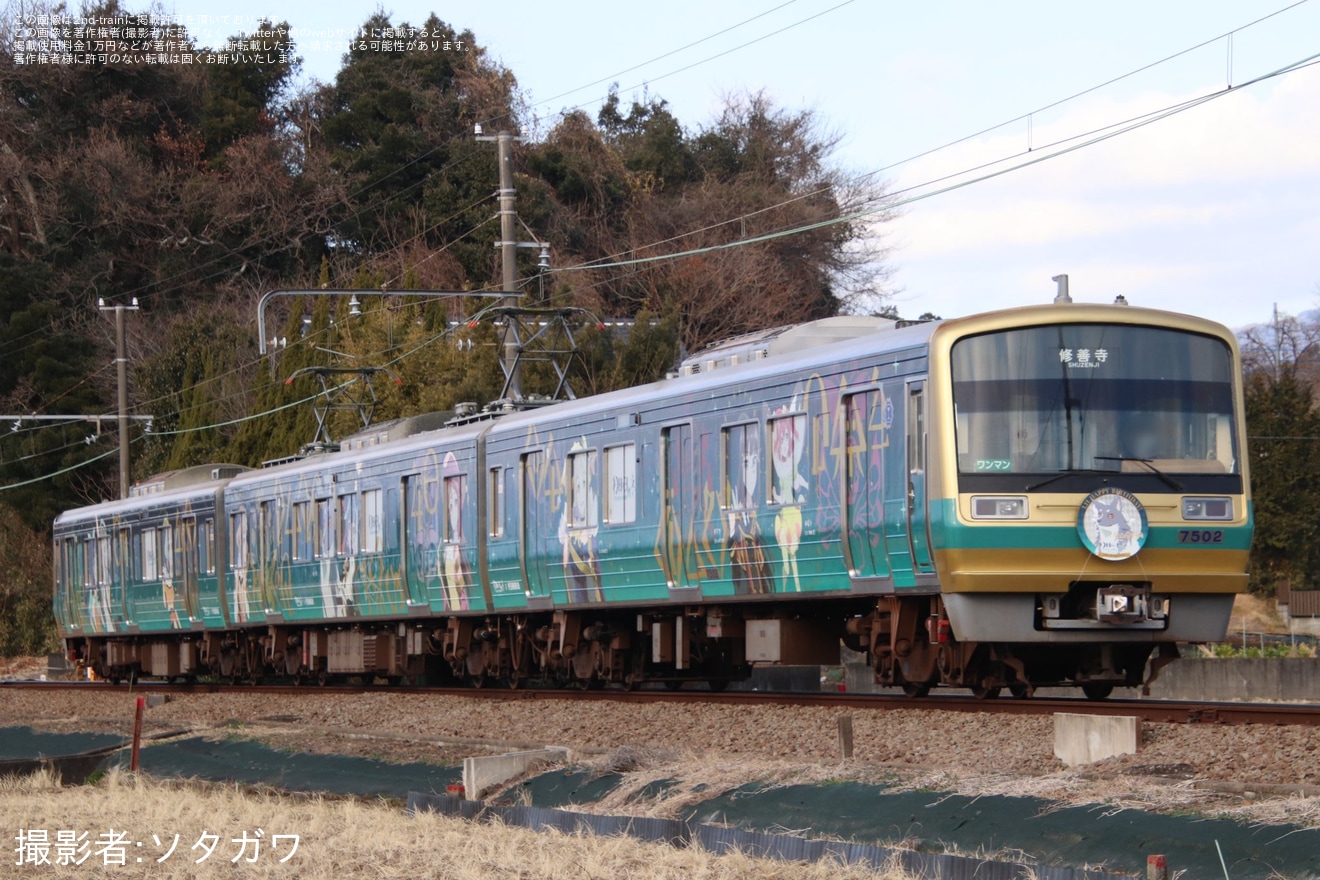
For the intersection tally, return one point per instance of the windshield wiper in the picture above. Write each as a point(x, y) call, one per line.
point(1169, 481)
point(1061, 474)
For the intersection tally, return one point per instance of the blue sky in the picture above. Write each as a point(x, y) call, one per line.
point(1212, 211)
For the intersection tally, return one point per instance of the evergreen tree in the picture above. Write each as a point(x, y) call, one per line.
point(1284, 445)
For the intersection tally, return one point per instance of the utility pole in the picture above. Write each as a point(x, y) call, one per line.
point(508, 245)
point(121, 363)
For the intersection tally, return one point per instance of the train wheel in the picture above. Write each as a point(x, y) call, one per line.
point(912, 689)
point(322, 678)
point(1019, 691)
point(673, 684)
point(477, 681)
point(1097, 691)
point(718, 684)
point(982, 692)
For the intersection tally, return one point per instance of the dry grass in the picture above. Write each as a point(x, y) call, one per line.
point(15, 668)
point(1261, 615)
point(345, 838)
point(1118, 791)
point(692, 778)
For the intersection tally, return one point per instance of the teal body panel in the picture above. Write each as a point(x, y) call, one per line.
point(730, 492)
point(143, 565)
point(770, 518)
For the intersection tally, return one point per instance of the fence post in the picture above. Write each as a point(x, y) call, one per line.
point(137, 734)
point(845, 737)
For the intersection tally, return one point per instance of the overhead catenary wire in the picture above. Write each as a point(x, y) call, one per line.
point(969, 137)
point(73, 467)
point(1038, 157)
point(668, 54)
point(730, 51)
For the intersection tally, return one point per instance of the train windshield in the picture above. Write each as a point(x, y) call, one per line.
point(1153, 402)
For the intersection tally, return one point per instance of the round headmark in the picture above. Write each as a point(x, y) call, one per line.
point(1112, 524)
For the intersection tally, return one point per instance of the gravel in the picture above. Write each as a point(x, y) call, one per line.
point(1179, 765)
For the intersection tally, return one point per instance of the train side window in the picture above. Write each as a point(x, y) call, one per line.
point(71, 563)
point(303, 530)
point(206, 547)
point(103, 560)
point(269, 534)
point(495, 503)
point(325, 529)
point(127, 558)
point(238, 540)
point(166, 552)
point(786, 438)
point(348, 525)
point(150, 570)
point(582, 504)
point(455, 497)
point(373, 534)
point(621, 484)
point(742, 465)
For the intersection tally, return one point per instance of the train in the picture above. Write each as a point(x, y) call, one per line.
point(1043, 495)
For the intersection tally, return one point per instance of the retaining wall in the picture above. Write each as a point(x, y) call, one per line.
point(1266, 680)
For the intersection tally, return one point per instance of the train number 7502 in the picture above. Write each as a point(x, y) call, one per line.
point(1200, 536)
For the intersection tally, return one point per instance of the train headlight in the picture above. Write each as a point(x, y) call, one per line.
point(999, 507)
point(1207, 508)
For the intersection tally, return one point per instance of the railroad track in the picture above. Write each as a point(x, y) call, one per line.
point(1158, 711)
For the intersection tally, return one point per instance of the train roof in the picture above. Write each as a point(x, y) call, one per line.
point(809, 357)
point(744, 359)
point(778, 341)
point(1083, 313)
point(189, 491)
point(817, 343)
point(416, 442)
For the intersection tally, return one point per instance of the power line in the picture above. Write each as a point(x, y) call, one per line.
point(1024, 116)
point(1087, 91)
point(1119, 128)
point(704, 39)
point(718, 55)
point(60, 472)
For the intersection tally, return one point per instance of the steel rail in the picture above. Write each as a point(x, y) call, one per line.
point(1152, 710)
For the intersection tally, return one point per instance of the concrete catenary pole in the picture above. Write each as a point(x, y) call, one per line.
point(509, 259)
point(121, 365)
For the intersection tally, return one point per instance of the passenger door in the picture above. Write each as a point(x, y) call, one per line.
point(538, 527)
point(678, 556)
point(895, 483)
point(863, 473)
point(188, 545)
point(421, 517)
point(916, 469)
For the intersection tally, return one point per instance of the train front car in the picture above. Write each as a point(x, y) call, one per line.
point(1089, 496)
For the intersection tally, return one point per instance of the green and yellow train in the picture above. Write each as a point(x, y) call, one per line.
point(1042, 495)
